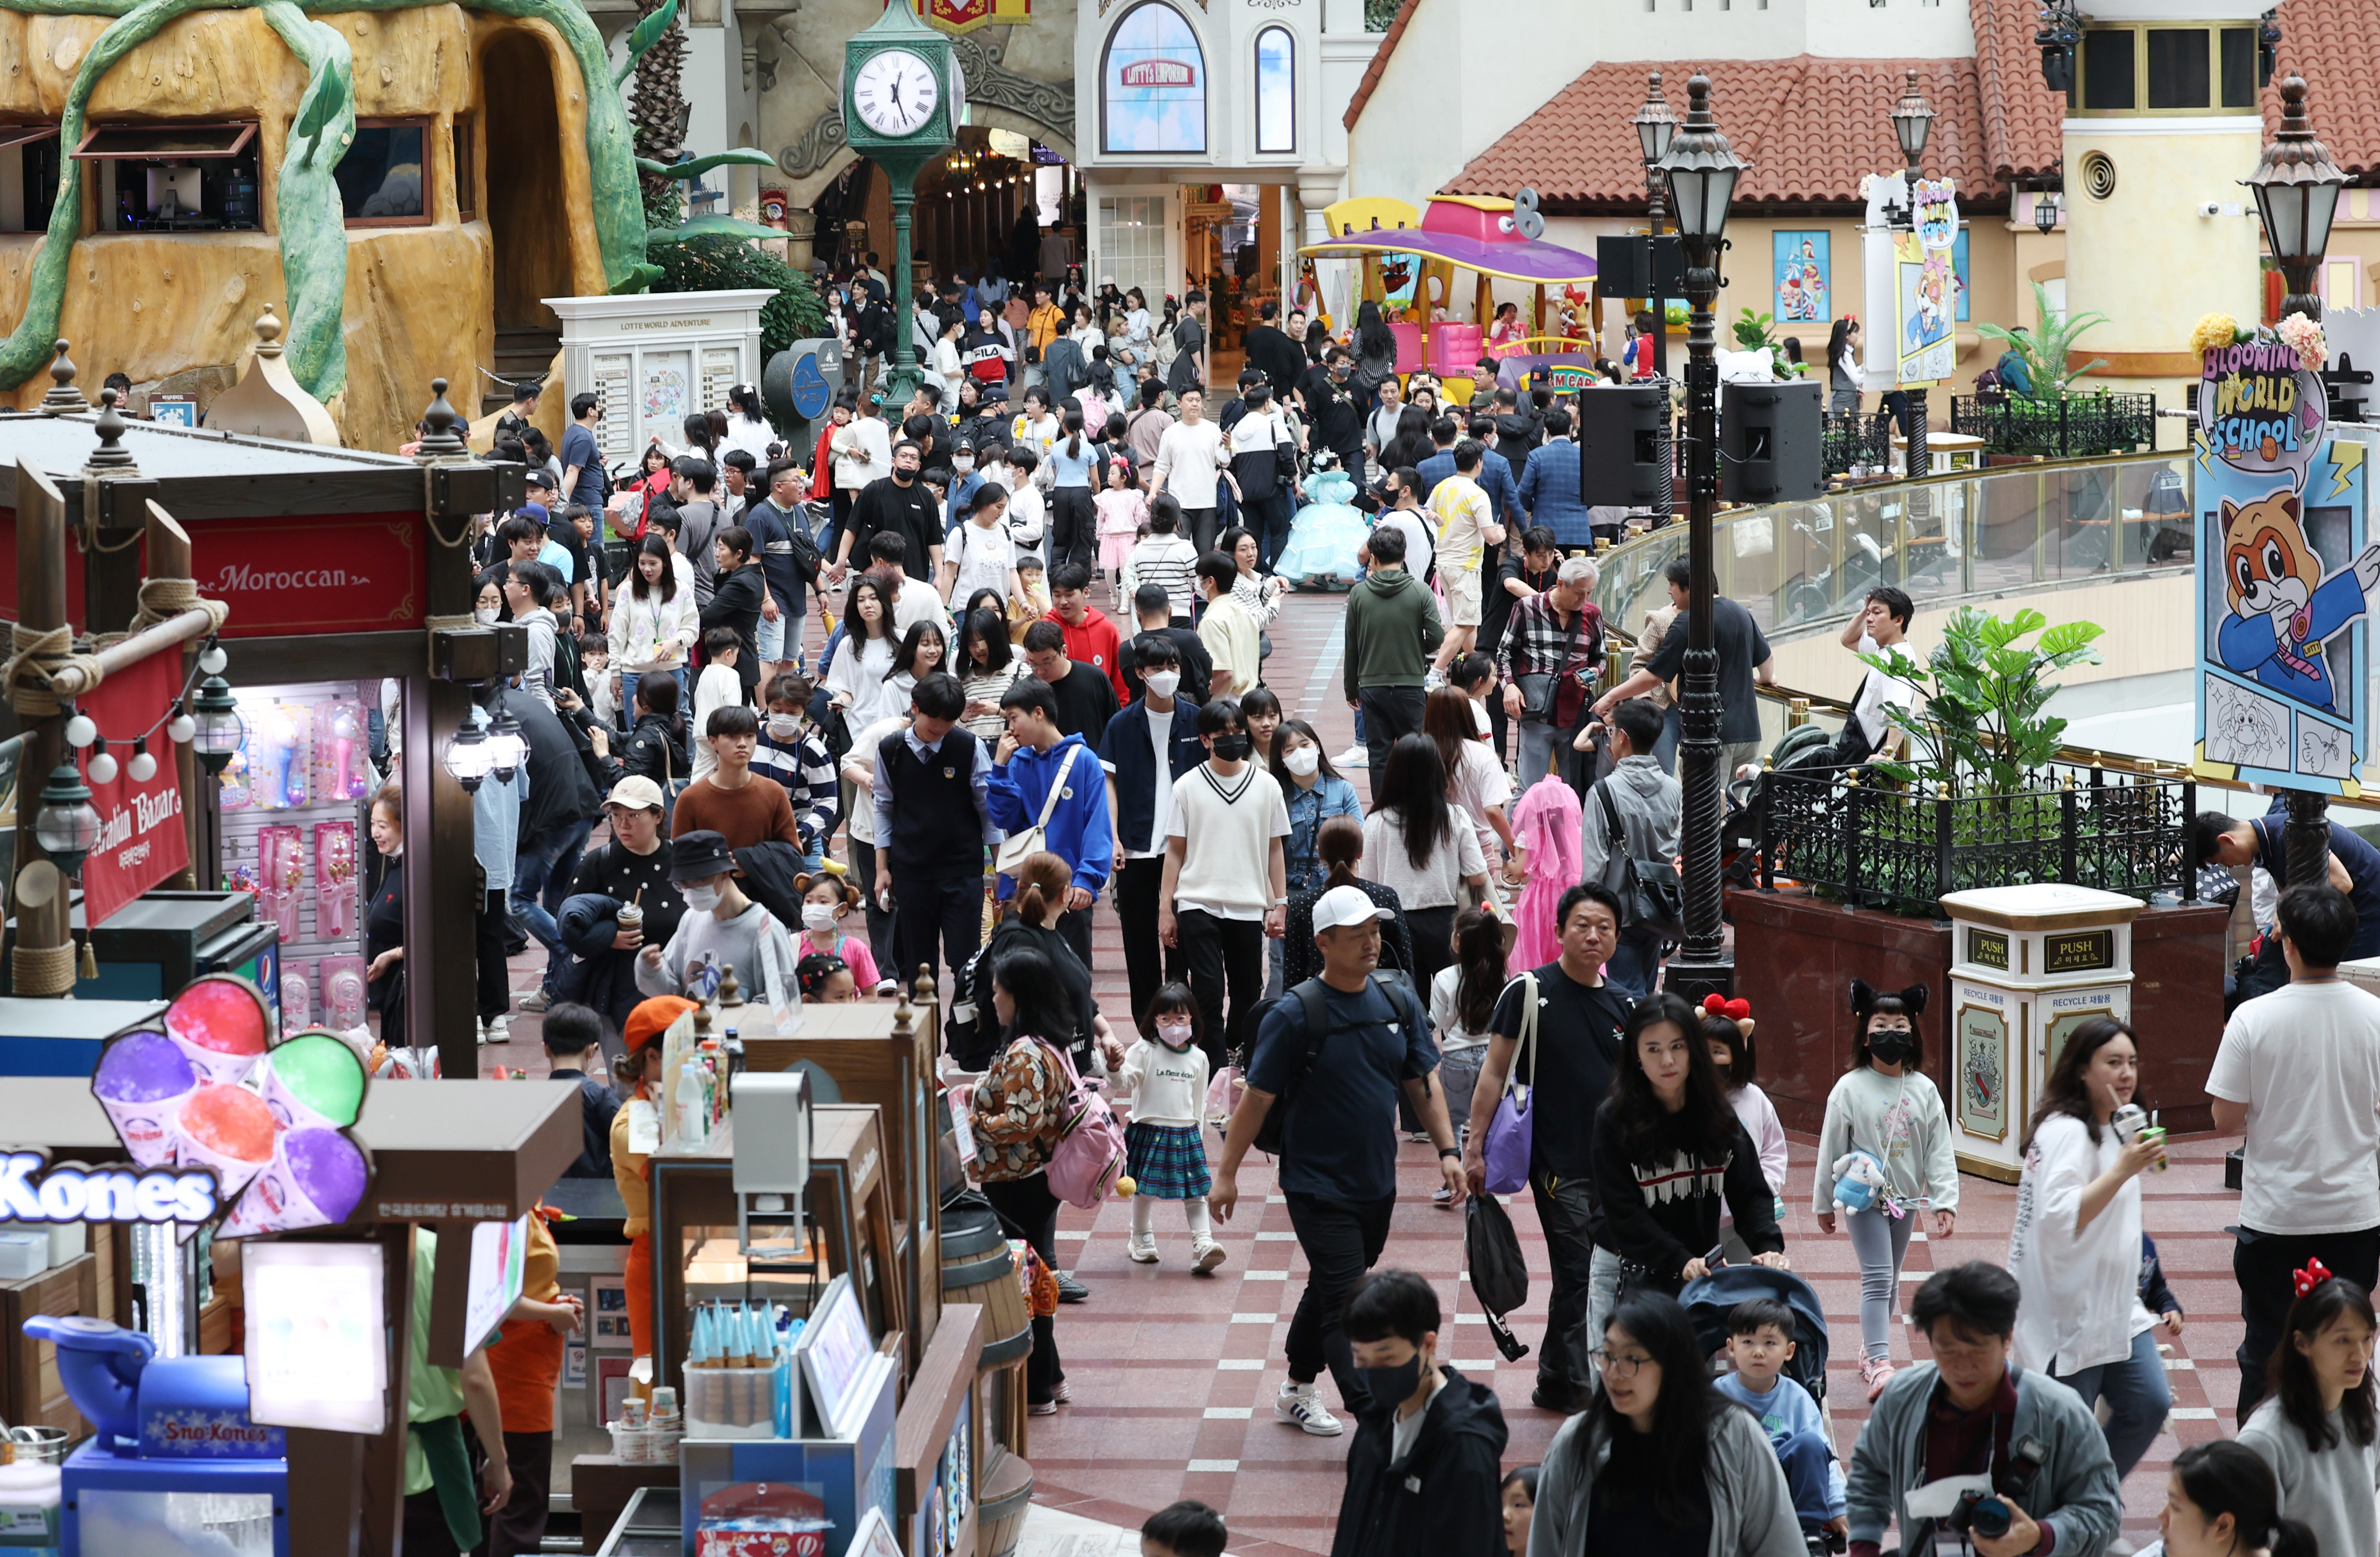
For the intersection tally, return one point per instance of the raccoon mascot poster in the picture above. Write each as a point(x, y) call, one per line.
point(2286, 573)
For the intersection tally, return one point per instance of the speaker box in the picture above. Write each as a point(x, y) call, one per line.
point(1635, 265)
point(1768, 440)
point(1623, 446)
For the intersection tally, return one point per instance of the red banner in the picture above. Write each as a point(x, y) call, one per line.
point(359, 574)
point(141, 840)
point(966, 16)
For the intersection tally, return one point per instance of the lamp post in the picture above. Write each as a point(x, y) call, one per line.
point(1912, 123)
point(2297, 186)
point(1701, 171)
point(1655, 126)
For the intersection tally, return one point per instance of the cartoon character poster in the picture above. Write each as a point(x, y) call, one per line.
point(2285, 569)
point(1925, 288)
point(1802, 264)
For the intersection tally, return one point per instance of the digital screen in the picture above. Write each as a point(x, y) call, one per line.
point(499, 1263)
point(315, 1334)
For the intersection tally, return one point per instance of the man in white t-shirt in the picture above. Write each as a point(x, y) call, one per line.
point(1190, 459)
point(1226, 883)
point(1881, 625)
point(2299, 1075)
point(1146, 747)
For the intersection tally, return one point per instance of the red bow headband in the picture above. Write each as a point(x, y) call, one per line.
point(2311, 1276)
point(1733, 1010)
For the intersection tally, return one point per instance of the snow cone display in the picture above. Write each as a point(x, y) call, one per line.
point(273, 1133)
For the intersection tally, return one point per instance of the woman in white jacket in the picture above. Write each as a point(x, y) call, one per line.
point(2075, 1250)
point(654, 621)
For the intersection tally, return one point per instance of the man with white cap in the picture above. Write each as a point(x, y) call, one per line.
point(1334, 1053)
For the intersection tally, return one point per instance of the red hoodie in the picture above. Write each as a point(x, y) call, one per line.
point(1095, 643)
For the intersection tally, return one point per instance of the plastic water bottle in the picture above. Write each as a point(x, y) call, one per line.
point(693, 1108)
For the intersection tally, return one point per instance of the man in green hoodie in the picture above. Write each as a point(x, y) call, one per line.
point(1392, 630)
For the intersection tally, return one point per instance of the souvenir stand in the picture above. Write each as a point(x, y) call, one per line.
point(452, 1157)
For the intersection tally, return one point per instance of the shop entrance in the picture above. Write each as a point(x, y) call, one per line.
point(532, 237)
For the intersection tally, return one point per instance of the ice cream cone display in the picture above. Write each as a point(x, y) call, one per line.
point(314, 1180)
point(142, 1081)
point(228, 1130)
point(314, 1081)
point(220, 1022)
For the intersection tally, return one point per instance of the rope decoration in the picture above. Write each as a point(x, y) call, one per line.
point(162, 600)
point(43, 972)
point(37, 659)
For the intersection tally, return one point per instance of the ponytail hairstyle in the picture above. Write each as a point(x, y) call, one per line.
point(1339, 843)
point(656, 692)
point(1075, 434)
point(2323, 1299)
point(1040, 881)
point(1479, 961)
point(2227, 1476)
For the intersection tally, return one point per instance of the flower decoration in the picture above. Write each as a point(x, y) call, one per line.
point(2213, 332)
point(2304, 336)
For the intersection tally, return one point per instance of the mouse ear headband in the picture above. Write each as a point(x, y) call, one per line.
point(2312, 1275)
point(1865, 996)
point(1738, 1011)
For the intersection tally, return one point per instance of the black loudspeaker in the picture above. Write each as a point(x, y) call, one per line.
point(1623, 446)
point(1635, 265)
point(1768, 440)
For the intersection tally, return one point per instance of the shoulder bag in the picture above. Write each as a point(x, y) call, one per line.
point(1511, 1134)
point(1541, 689)
point(1016, 851)
point(1651, 896)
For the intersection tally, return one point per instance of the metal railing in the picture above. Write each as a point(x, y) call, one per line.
point(2065, 427)
point(1851, 443)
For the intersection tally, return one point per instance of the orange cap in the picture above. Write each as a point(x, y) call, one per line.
point(651, 1018)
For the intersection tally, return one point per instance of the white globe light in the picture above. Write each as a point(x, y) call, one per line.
point(81, 731)
point(180, 728)
point(102, 768)
point(143, 767)
point(211, 659)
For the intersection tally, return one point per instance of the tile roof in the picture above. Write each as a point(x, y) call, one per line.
point(1372, 72)
point(2332, 43)
point(1810, 127)
point(2023, 120)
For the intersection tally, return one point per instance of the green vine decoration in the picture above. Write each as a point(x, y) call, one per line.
point(307, 207)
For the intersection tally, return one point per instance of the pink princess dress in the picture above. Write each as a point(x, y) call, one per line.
point(1546, 825)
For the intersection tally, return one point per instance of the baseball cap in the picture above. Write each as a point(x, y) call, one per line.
point(1342, 905)
point(533, 511)
point(698, 855)
point(538, 476)
point(652, 1019)
point(637, 793)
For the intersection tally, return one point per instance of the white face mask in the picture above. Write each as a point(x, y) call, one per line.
point(1161, 684)
point(963, 463)
point(700, 898)
point(483, 615)
point(818, 916)
point(784, 726)
point(1303, 761)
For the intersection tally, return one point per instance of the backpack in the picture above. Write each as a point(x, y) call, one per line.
point(1648, 889)
point(1087, 1156)
point(1316, 1018)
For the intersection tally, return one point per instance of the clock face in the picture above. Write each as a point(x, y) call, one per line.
point(895, 92)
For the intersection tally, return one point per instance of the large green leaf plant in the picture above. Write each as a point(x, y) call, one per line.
point(1983, 727)
point(2048, 351)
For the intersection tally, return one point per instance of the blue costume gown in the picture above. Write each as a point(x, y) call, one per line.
point(1325, 535)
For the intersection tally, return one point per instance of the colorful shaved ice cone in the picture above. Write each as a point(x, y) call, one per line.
point(228, 1130)
point(142, 1081)
point(314, 1081)
point(314, 1180)
point(220, 1023)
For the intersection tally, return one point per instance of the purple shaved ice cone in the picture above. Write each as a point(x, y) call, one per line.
point(315, 1181)
point(141, 1081)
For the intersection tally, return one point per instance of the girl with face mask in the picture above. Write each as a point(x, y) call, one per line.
point(1886, 1106)
point(1166, 1072)
point(825, 900)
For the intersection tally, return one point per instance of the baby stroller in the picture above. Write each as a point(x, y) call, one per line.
point(1709, 1302)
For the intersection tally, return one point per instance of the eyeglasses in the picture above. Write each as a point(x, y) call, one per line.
point(1619, 1367)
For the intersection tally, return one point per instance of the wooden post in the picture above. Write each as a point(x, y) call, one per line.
point(41, 607)
point(169, 557)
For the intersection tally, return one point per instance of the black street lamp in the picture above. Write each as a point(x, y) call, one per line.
point(2297, 186)
point(2045, 212)
point(1701, 171)
point(1655, 126)
point(1912, 122)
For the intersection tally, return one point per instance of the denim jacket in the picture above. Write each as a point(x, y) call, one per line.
point(1308, 808)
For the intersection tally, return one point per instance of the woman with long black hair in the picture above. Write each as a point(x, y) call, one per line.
point(1074, 518)
point(1661, 1464)
point(1844, 365)
point(2317, 1428)
point(1426, 851)
point(1375, 353)
point(1669, 1150)
point(2075, 1250)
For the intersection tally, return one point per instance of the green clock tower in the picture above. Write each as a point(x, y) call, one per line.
point(903, 100)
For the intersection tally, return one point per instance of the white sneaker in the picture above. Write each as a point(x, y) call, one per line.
point(1208, 1254)
point(484, 1031)
point(1143, 1248)
point(500, 1030)
point(1299, 1405)
point(1354, 756)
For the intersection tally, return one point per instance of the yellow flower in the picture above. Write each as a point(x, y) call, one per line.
point(2212, 333)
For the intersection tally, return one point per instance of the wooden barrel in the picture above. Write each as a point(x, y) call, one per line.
point(1000, 1505)
point(977, 1268)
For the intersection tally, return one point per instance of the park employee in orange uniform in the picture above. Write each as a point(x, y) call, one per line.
point(639, 1070)
point(526, 1362)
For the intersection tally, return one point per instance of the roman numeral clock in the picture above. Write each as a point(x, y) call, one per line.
point(904, 98)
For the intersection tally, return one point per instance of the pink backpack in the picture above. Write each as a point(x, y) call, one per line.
point(1086, 1153)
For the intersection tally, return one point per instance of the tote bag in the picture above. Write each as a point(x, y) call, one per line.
point(1014, 851)
point(1512, 1133)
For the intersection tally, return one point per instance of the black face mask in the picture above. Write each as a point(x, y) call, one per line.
point(1236, 748)
point(1392, 1386)
point(1891, 1046)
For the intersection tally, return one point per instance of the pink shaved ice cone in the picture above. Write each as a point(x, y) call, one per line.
point(220, 1023)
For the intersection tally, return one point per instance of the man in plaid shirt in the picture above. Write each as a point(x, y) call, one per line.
point(791, 752)
point(1532, 644)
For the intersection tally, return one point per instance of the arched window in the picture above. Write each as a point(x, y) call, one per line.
point(1276, 91)
point(1153, 84)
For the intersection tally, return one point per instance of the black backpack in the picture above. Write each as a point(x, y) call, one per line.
point(1315, 1018)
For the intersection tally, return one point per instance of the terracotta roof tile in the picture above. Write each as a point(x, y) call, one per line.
point(1372, 72)
point(2333, 44)
point(2023, 120)
point(1811, 128)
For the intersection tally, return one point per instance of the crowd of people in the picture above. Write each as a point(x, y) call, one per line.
point(1044, 590)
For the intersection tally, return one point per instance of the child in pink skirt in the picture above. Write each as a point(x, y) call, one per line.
point(1544, 826)
point(1122, 508)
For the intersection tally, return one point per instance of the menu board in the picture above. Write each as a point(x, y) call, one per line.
point(315, 1334)
point(499, 1258)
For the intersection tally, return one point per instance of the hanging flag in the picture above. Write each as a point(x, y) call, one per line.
point(966, 16)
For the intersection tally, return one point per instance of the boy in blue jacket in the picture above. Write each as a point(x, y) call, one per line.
point(1760, 1342)
point(1031, 760)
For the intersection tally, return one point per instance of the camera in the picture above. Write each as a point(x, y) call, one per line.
point(1987, 1514)
point(1979, 1513)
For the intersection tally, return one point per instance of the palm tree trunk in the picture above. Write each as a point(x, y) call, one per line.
point(656, 113)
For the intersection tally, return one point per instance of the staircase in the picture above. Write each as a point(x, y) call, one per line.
point(523, 351)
